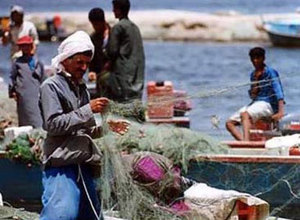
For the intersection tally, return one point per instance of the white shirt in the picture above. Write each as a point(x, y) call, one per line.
point(27, 28)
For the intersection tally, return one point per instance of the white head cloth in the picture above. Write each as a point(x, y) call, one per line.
point(16, 8)
point(78, 42)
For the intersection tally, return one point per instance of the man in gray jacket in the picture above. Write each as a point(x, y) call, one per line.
point(71, 159)
point(126, 53)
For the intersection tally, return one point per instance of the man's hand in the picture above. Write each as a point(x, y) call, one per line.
point(254, 91)
point(277, 116)
point(119, 126)
point(107, 66)
point(280, 113)
point(99, 105)
point(6, 36)
point(14, 96)
point(92, 76)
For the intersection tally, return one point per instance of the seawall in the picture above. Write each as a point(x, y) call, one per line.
point(178, 25)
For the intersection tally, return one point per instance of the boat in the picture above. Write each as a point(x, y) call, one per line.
point(53, 30)
point(272, 174)
point(20, 185)
point(285, 32)
point(272, 178)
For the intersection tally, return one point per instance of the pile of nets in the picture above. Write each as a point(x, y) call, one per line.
point(8, 114)
point(26, 148)
point(118, 191)
point(16, 214)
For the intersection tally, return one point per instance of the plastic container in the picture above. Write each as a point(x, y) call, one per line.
point(160, 99)
point(295, 151)
point(246, 212)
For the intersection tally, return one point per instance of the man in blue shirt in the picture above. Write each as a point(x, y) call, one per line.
point(266, 94)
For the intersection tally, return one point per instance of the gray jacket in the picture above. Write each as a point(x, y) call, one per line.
point(69, 122)
point(25, 82)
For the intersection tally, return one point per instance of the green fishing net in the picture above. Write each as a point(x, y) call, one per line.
point(26, 148)
point(8, 114)
point(118, 191)
point(10, 213)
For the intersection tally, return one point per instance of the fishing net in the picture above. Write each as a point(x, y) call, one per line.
point(7, 213)
point(118, 190)
point(8, 114)
point(26, 148)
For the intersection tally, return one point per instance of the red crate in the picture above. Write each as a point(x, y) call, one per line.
point(246, 212)
point(160, 99)
point(257, 130)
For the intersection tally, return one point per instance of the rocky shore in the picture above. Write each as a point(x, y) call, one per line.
point(178, 25)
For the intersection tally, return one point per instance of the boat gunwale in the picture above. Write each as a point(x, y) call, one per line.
point(280, 34)
point(247, 159)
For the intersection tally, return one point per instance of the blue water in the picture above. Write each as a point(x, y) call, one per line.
point(243, 6)
point(202, 68)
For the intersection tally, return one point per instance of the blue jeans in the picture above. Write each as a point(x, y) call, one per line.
point(64, 198)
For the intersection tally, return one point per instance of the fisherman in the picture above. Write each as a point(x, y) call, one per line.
point(70, 158)
point(126, 53)
point(17, 29)
point(266, 94)
point(26, 77)
point(99, 65)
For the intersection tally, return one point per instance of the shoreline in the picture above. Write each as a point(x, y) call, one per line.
point(175, 25)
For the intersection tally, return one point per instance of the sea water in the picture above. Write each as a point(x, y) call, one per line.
point(215, 75)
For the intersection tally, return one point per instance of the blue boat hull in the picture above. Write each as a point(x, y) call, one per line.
point(20, 185)
point(285, 33)
point(273, 180)
point(283, 40)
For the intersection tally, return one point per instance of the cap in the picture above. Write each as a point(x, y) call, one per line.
point(16, 8)
point(25, 40)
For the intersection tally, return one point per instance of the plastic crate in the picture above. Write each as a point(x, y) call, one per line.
point(160, 99)
point(246, 212)
point(257, 131)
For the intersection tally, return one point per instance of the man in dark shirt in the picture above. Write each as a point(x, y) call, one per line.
point(99, 38)
point(126, 53)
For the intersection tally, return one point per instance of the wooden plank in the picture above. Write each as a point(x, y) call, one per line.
point(248, 159)
point(178, 121)
point(245, 144)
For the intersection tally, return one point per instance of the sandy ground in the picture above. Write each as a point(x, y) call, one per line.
point(178, 25)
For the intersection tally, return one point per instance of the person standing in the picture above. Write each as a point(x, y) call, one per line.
point(70, 158)
point(17, 29)
point(126, 53)
point(27, 75)
point(100, 39)
point(266, 94)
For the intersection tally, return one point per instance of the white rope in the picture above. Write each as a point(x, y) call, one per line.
point(87, 194)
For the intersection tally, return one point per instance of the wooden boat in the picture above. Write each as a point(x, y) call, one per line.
point(273, 178)
point(284, 33)
point(271, 174)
